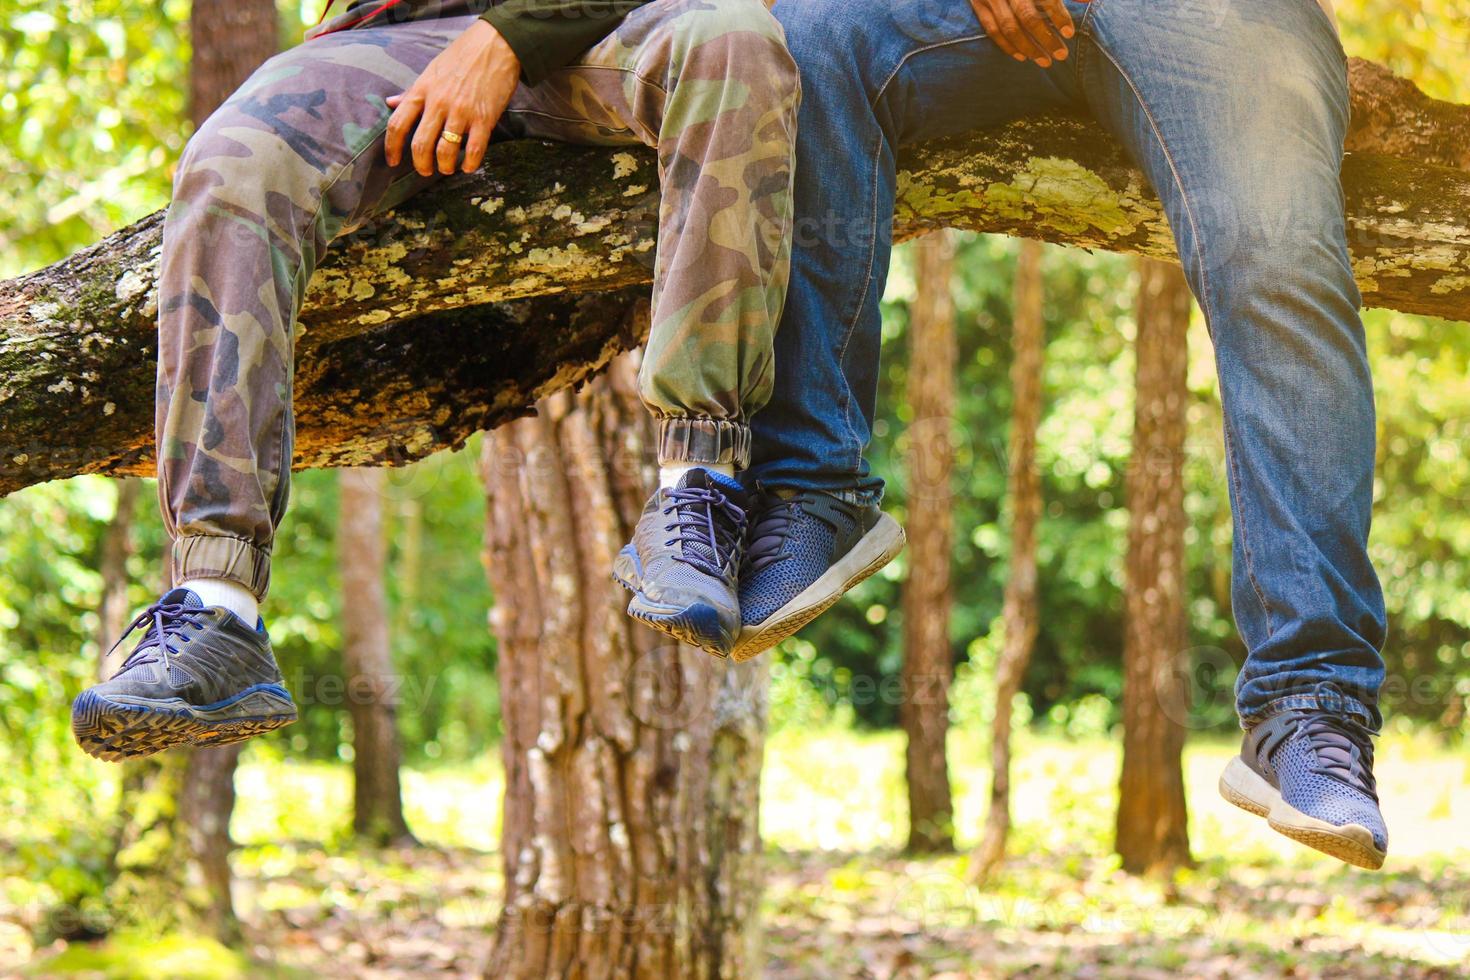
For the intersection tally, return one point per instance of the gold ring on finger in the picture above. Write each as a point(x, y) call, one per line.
point(449, 137)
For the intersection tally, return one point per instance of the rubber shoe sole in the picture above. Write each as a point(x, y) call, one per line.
point(1353, 843)
point(878, 547)
point(116, 730)
point(697, 625)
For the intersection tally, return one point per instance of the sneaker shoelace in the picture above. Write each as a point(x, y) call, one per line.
point(165, 621)
point(706, 525)
point(1343, 748)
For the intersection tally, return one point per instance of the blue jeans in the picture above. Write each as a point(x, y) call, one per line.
point(1236, 113)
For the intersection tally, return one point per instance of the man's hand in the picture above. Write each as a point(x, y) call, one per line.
point(463, 91)
point(1027, 30)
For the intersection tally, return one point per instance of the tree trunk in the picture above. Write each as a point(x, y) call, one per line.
point(206, 801)
point(632, 764)
point(367, 660)
point(171, 863)
point(1020, 616)
point(230, 40)
point(117, 545)
point(1152, 830)
point(459, 311)
point(928, 660)
point(410, 559)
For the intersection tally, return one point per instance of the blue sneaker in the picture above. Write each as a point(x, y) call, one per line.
point(682, 561)
point(806, 549)
point(1310, 774)
point(198, 676)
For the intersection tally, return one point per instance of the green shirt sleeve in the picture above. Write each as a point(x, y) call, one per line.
point(551, 34)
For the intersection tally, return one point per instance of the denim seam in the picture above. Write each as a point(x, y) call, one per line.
point(883, 89)
point(1287, 702)
point(1205, 300)
point(1083, 32)
point(1250, 572)
point(850, 327)
point(1087, 14)
point(873, 241)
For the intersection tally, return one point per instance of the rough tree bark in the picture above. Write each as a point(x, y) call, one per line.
point(230, 40)
point(1152, 828)
point(377, 799)
point(459, 310)
point(632, 764)
point(928, 660)
point(1020, 615)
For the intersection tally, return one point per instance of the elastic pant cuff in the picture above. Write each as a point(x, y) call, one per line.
point(1331, 702)
point(707, 441)
point(221, 556)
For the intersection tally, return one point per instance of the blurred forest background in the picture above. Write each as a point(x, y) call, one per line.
point(94, 110)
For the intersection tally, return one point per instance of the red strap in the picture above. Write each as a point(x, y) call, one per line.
point(357, 20)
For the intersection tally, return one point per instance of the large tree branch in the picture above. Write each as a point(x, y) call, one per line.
point(456, 311)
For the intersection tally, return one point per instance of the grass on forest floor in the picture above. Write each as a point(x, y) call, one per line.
point(842, 902)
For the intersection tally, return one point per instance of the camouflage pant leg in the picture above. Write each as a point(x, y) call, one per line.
point(709, 85)
point(293, 159)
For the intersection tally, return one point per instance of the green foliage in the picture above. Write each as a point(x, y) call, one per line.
point(839, 895)
point(443, 652)
point(92, 118)
point(1426, 40)
point(1082, 453)
point(143, 957)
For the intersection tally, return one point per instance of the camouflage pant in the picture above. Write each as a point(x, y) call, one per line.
point(295, 158)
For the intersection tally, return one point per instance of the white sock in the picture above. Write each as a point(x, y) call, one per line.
point(222, 592)
point(670, 474)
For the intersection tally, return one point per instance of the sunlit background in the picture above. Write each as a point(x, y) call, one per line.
point(92, 117)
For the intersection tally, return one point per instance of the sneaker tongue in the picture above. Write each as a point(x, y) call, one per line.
point(696, 545)
point(769, 530)
point(714, 480)
point(1336, 751)
point(185, 597)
